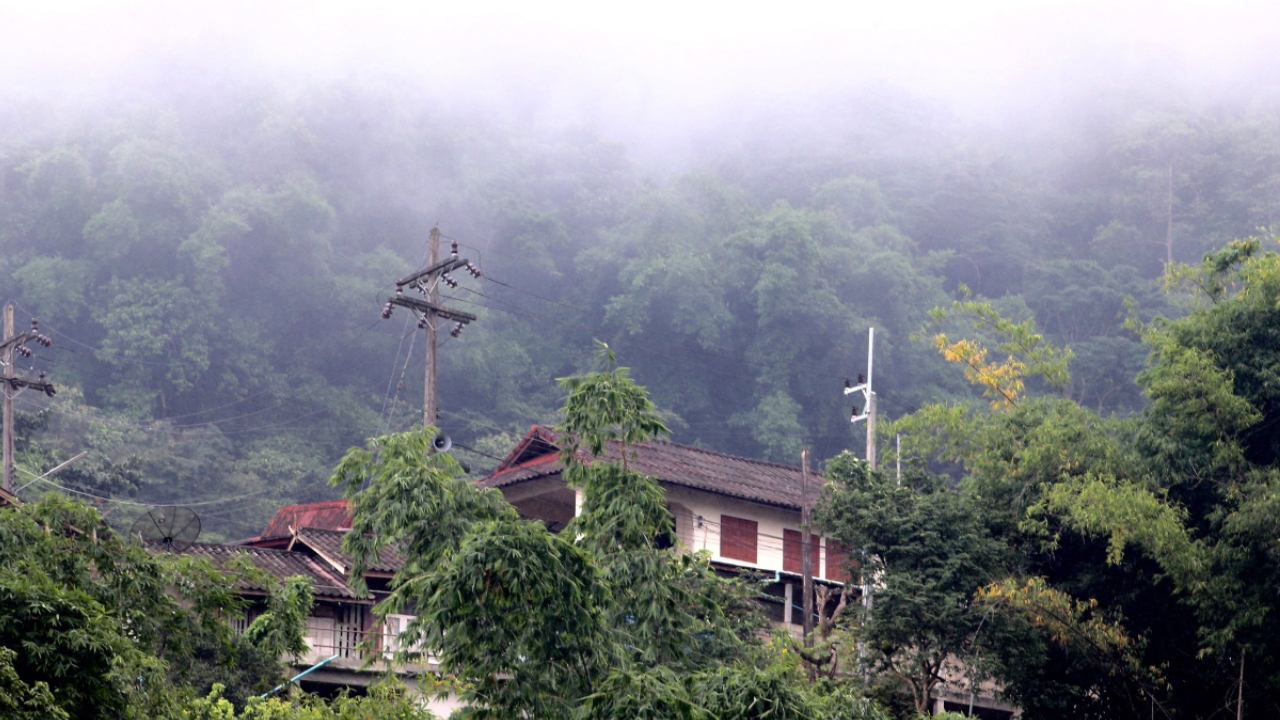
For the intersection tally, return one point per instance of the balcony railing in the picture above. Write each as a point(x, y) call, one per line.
point(326, 639)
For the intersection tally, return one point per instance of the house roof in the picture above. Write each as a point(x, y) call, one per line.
point(330, 515)
point(282, 564)
point(536, 456)
point(328, 544)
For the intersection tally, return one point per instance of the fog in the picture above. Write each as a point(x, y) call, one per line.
point(207, 204)
point(667, 78)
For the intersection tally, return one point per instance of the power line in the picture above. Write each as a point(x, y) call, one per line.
point(145, 504)
point(478, 452)
point(818, 368)
point(396, 361)
point(247, 398)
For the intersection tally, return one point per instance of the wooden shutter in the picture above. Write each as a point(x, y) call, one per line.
point(738, 538)
point(837, 569)
point(791, 557)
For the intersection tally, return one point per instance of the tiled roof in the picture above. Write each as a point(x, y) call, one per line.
point(331, 515)
point(673, 464)
point(328, 543)
point(280, 563)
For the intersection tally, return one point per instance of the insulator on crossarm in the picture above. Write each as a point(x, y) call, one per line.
point(449, 280)
point(45, 340)
point(35, 324)
point(422, 324)
point(475, 271)
point(453, 251)
point(386, 312)
point(457, 330)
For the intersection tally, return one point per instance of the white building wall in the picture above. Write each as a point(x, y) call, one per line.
point(705, 533)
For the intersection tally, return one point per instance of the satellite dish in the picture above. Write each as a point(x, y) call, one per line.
point(442, 443)
point(171, 529)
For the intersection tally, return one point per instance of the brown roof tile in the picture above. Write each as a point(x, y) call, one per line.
point(280, 563)
point(673, 464)
point(328, 543)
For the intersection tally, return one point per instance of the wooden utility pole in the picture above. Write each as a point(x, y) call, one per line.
point(806, 557)
point(433, 297)
point(430, 312)
point(11, 384)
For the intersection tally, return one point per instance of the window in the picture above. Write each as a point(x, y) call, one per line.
point(791, 557)
point(836, 562)
point(738, 538)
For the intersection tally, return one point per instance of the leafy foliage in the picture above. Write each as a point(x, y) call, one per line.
point(601, 619)
point(97, 626)
point(928, 555)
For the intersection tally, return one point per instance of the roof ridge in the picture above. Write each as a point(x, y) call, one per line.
point(243, 548)
point(342, 501)
point(707, 451)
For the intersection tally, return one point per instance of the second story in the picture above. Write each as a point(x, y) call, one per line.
point(745, 512)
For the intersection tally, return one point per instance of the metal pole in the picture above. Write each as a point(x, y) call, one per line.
point(8, 399)
point(897, 455)
point(806, 558)
point(56, 469)
point(300, 675)
point(871, 401)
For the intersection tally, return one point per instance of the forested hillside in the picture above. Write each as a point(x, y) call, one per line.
point(211, 265)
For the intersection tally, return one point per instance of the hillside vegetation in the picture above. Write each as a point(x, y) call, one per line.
point(211, 268)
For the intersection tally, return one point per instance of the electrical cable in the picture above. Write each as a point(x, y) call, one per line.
point(264, 391)
point(145, 504)
point(820, 369)
point(407, 322)
point(478, 452)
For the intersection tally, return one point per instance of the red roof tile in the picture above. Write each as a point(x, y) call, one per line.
point(329, 515)
point(671, 463)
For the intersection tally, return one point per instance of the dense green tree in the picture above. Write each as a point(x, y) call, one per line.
point(927, 554)
point(597, 620)
point(99, 627)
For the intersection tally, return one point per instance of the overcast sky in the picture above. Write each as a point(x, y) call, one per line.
point(657, 65)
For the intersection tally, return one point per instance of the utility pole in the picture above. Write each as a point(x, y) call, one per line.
point(806, 558)
point(8, 399)
point(429, 414)
point(430, 312)
point(869, 410)
point(11, 384)
point(869, 414)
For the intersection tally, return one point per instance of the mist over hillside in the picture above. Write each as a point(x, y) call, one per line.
point(207, 210)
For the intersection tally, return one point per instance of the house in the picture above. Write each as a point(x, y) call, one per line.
point(744, 512)
point(342, 631)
